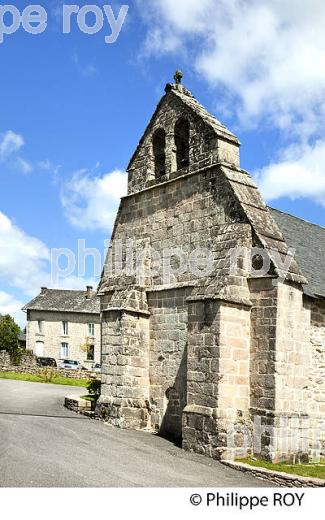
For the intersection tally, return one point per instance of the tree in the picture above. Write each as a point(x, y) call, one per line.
point(9, 335)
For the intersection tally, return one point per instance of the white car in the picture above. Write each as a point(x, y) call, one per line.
point(97, 367)
point(71, 365)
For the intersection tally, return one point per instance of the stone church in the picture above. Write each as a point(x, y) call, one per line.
point(229, 359)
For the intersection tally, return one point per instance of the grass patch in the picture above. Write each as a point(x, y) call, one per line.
point(57, 380)
point(92, 398)
point(303, 470)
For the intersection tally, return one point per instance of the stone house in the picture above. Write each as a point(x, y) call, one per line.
point(227, 356)
point(64, 324)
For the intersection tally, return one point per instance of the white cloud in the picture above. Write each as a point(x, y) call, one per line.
point(299, 173)
point(23, 258)
point(48, 166)
point(24, 166)
point(270, 54)
point(267, 60)
point(25, 265)
point(92, 202)
point(51, 168)
point(10, 305)
point(25, 262)
point(9, 144)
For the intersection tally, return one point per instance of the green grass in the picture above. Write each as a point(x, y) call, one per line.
point(57, 380)
point(91, 398)
point(303, 470)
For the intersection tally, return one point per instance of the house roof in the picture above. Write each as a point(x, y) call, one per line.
point(309, 242)
point(22, 336)
point(64, 301)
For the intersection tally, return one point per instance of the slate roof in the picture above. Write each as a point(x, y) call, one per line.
point(309, 242)
point(64, 301)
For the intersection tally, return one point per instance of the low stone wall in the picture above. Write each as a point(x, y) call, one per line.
point(76, 404)
point(276, 477)
point(36, 370)
point(27, 360)
point(4, 358)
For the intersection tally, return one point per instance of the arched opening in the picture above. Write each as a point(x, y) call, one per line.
point(159, 152)
point(171, 425)
point(182, 142)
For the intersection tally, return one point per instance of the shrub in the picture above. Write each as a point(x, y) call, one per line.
point(47, 374)
point(9, 334)
point(93, 386)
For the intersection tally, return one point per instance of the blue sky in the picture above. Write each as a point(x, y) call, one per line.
point(73, 109)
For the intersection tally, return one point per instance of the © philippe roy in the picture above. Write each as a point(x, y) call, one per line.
point(89, 19)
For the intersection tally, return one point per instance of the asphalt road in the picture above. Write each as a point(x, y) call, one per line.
point(45, 445)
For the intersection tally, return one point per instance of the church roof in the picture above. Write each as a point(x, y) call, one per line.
point(309, 242)
point(56, 300)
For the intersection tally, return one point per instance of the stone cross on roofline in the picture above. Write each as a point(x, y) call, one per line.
point(178, 77)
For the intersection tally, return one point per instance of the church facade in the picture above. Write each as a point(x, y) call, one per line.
point(212, 304)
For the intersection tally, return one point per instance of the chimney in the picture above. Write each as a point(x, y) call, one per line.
point(43, 290)
point(89, 292)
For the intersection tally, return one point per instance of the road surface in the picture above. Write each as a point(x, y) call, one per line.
point(45, 445)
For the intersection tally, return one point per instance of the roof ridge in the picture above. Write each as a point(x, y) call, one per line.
point(297, 218)
point(65, 290)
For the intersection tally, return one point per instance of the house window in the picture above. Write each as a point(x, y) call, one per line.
point(91, 330)
point(159, 146)
point(64, 350)
point(65, 328)
point(91, 353)
point(182, 142)
point(40, 327)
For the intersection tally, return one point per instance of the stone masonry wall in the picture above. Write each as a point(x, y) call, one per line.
point(293, 345)
point(4, 358)
point(317, 375)
point(280, 360)
point(168, 352)
point(218, 380)
point(205, 148)
point(214, 347)
point(263, 295)
point(125, 373)
point(292, 367)
point(189, 213)
point(27, 359)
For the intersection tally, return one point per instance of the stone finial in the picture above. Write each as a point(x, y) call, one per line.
point(178, 77)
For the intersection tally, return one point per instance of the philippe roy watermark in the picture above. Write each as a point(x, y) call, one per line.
point(138, 259)
point(291, 434)
point(89, 19)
